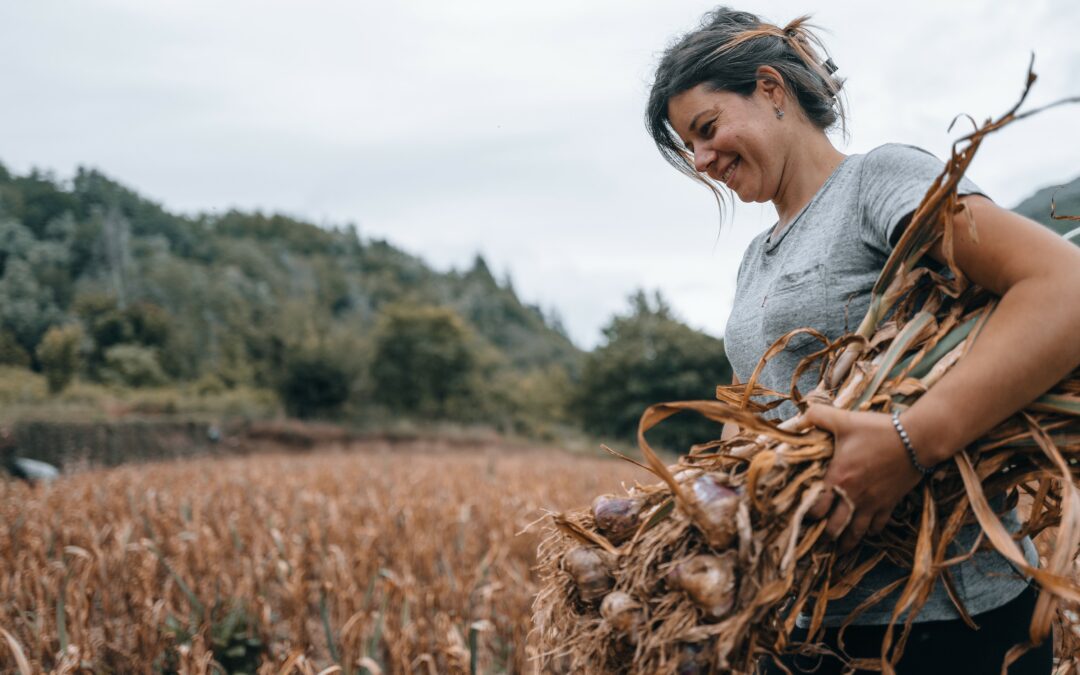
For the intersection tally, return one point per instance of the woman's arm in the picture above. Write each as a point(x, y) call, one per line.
point(1031, 342)
point(1028, 345)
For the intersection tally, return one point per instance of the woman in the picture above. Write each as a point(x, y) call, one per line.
point(744, 106)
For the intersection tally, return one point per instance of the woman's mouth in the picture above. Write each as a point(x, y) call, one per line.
point(729, 172)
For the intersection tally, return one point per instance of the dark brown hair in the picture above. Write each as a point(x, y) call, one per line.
point(725, 52)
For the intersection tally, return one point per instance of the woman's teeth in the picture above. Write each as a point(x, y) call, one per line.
point(730, 170)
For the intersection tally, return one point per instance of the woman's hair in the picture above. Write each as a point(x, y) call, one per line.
point(725, 52)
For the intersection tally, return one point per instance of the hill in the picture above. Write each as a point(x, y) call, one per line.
point(164, 297)
point(225, 274)
point(1066, 201)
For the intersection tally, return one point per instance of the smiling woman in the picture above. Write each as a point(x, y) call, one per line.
point(743, 107)
point(707, 93)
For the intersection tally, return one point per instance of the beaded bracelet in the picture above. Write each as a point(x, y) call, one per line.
point(924, 470)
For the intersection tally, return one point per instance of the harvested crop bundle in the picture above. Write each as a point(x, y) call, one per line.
point(722, 560)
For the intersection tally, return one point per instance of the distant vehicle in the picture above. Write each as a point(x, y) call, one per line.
point(33, 471)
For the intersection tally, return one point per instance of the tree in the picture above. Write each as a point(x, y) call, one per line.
point(27, 308)
point(16, 241)
point(142, 324)
point(116, 234)
point(314, 383)
point(36, 199)
point(58, 354)
point(650, 357)
point(11, 352)
point(423, 360)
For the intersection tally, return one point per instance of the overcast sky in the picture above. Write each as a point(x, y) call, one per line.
point(506, 128)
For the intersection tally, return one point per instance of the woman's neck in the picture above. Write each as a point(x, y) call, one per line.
point(804, 174)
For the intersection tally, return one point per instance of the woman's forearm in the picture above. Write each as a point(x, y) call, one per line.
point(1030, 342)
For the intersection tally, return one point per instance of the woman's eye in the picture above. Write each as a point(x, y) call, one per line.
point(706, 130)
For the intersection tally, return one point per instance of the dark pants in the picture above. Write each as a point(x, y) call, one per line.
point(940, 646)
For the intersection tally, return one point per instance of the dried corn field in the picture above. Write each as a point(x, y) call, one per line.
point(379, 559)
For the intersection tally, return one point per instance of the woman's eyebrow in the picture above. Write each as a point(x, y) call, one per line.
point(694, 121)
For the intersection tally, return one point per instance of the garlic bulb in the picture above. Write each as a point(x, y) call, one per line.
point(622, 612)
point(684, 475)
point(709, 580)
point(616, 518)
point(590, 574)
point(715, 506)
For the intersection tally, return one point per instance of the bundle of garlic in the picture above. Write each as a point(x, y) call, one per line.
point(706, 570)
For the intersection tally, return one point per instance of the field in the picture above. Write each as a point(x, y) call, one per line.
point(370, 558)
point(373, 558)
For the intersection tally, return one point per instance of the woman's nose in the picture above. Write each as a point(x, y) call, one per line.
point(703, 157)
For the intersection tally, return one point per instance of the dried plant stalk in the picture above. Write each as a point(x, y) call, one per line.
point(403, 558)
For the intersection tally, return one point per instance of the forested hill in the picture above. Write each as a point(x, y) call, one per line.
point(103, 288)
point(1066, 202)
point(230, 294)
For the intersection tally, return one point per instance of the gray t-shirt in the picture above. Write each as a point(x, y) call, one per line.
point(818, 272)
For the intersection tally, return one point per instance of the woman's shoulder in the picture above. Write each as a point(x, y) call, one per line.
point(892, 166)
point(898, 155)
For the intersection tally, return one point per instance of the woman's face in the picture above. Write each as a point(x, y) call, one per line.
point(735, 140)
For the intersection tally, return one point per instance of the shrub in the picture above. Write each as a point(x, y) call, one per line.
point(209, 384)
point(19, 385)
point(133, 366)
point(58, 354)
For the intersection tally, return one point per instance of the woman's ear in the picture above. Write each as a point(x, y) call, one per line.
point(771, 83)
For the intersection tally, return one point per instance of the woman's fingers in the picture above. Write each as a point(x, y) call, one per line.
point(825, 417)
point(854, 532)
point(830, 419)
point(821, 506)
point(879, 522)
point(839, 519)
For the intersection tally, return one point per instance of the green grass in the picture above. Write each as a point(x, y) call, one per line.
point(24, 395)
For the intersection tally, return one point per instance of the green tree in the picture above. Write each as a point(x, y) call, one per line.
point(141, 324)
point(650, 357)
point(27, 308)
point(533, 403)
point(11, 352)
point(423, 360)
point(58, 354)
point(314, 383)
point(36, 199)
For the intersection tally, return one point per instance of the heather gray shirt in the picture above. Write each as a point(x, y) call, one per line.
point(818, 272)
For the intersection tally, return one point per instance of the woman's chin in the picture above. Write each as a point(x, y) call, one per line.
point(742, 196)
point(738, 188)
point(747, 196)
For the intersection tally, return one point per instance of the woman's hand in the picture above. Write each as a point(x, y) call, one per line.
point(870, 465)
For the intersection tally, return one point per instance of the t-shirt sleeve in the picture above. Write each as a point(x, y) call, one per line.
point(895, 178)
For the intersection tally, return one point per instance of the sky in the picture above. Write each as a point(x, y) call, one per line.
point(511, 130)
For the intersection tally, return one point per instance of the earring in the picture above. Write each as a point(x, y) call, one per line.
point(779, 113)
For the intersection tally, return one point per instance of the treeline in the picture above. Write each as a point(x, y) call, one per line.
point(100, 285)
